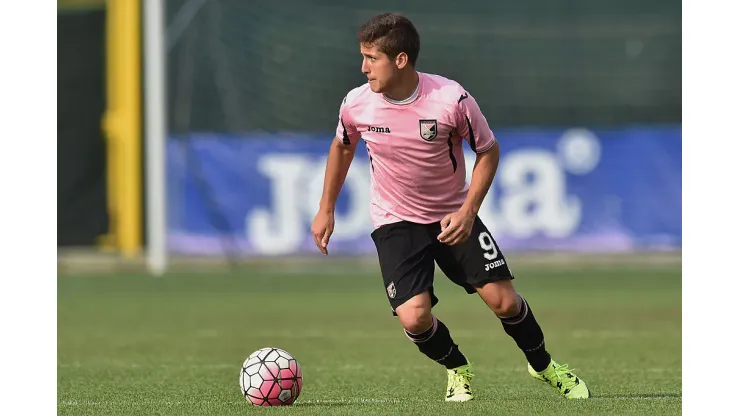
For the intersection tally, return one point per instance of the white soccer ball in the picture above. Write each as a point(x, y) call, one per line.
point(271, 377)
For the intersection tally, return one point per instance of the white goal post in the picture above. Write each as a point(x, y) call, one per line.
point(155, 134)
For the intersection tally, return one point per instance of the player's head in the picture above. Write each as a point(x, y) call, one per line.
point(390, 45)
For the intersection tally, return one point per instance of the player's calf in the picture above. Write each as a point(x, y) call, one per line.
point(433, 339)
point(436, 343)
point(428, 333)
point(518, 321)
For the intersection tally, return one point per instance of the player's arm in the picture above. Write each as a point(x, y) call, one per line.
point(337, 166)
point(472, 125)
point(341, 153)
point(484, 170)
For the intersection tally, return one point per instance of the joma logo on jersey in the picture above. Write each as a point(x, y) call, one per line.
point(379, 129)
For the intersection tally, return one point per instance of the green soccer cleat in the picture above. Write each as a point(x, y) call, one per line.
point(458, 384)
point(562, 378)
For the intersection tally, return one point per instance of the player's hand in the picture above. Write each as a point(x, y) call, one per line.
point(322, 228)
point(456, 227)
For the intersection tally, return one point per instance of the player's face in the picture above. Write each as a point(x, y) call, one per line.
point(379, 68)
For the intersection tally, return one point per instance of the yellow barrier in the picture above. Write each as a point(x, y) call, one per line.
point(122, 126)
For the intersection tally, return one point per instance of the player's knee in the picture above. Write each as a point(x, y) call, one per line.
point(416, 321)
point(506, 306)
point(415, 315)
point(501, 298)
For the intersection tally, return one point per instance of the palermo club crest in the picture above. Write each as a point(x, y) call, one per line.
point(428, 129)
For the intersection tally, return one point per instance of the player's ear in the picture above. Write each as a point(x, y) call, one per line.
point(402, 60)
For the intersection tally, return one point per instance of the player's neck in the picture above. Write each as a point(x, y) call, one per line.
point(405, 88)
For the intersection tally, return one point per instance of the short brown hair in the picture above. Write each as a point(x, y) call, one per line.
point(391, 33)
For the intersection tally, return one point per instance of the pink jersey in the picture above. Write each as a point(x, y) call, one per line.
point(415, 147)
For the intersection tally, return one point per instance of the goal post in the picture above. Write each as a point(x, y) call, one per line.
point(155, 134)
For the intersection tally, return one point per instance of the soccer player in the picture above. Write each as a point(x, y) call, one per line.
point(413, 124)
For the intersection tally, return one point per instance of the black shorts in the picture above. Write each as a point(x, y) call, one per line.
point(407, 252)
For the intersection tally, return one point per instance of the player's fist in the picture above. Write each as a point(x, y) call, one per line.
point(456, 227)
point(322, 228)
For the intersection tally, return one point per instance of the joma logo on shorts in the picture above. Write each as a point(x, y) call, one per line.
point(495, 264)
point(379, 129)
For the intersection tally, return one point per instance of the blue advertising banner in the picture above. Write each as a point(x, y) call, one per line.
point(603, 190)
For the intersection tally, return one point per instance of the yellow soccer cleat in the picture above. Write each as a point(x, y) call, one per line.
point(458, 384)
point(563, 379)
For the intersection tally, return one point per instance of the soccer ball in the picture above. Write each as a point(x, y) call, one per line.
point(271, 377)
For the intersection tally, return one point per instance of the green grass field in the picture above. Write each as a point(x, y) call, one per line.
point(132, 344)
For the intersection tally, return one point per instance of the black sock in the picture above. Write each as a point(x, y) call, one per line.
point(436, 343)
point(527, 334)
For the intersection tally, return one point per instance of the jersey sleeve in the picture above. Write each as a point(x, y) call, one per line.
point(347, 132)
point(472, 124)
